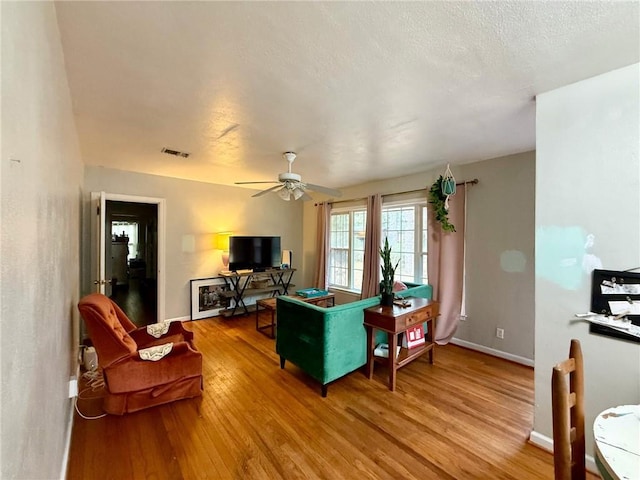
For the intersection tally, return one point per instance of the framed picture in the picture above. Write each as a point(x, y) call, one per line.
point(207, 299)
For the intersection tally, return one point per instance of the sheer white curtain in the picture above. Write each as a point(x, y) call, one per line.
point(446, 266)
point(371, 268)
point(321, 279)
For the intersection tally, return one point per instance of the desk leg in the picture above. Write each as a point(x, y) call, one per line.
point(392, 339)
point(431, 337)
point(370, 348)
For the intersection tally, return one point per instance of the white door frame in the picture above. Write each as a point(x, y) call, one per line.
point(98, 201)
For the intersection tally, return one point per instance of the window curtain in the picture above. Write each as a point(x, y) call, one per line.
point(372, 242)
point(321, 279)
point(445, 266)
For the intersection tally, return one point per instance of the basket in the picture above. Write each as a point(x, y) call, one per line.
point(261, 283)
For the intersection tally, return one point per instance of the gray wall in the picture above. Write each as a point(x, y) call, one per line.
point(500, 261)
point(500, 221)
point(41, 182)
point(195, 211)
point(588, 182)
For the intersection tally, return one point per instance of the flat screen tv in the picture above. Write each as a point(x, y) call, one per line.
point(256, 253)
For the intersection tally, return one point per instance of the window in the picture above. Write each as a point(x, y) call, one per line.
point(346, 248)
point(405, 226)
point(403, 223)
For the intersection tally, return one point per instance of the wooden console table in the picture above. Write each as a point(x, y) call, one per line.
point(278, 283)
point(395, 320)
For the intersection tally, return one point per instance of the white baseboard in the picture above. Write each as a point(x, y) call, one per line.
point(67, 440)
point(546, 443)
point(491, 351)
point(541, 441)
point(178, 319)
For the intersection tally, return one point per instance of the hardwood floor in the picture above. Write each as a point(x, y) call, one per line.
point(138, 300)
point(467, 416)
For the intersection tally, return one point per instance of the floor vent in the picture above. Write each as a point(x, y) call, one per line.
point(175, 152)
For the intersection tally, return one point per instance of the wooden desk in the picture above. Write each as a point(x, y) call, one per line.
point(395, 320)
point(617, 442)
point(270, 304)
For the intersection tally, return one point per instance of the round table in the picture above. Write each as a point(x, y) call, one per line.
point(617, 442)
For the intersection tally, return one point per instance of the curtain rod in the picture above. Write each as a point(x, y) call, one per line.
point(466, 182)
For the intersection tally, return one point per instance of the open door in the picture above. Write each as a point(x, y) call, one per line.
point(103, 270)
point(98, 228)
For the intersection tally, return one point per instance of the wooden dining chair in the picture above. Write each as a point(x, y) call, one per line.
point(568, 416)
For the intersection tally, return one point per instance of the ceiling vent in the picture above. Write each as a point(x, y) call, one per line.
point(176, 153)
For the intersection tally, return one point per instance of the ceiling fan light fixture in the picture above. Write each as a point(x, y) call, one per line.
point(291, 184)
point(284, 194)
point(297, 193)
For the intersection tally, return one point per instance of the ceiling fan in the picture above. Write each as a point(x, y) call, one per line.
point(290, 184)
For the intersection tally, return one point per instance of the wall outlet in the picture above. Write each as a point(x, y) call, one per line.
point(73, 387)
point(500, 333)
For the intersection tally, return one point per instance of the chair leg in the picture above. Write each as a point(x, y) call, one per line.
point(324, 390)
point(282, 360)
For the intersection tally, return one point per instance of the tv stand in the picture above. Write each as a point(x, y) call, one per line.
point(276, 282)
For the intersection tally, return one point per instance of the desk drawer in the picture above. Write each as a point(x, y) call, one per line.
point(417, 317)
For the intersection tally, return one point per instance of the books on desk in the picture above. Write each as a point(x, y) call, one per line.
point(413, 337)
point(312, 292)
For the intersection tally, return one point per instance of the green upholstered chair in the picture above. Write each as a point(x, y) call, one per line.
point(328, 342)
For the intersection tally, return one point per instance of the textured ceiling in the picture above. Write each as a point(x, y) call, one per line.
point(361, 91)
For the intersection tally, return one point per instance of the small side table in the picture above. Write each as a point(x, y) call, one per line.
point(270, 304)
point(329, 300)
point(395, 320)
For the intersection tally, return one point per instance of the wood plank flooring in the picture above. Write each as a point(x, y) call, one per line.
point(468, 416)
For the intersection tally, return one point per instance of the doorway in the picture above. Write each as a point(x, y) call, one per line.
point(131, 262)
point(130, 235)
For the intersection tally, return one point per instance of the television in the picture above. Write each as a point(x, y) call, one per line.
point(256, 253)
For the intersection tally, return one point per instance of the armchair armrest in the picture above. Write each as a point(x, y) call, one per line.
point(133, 373)
point(176, 333)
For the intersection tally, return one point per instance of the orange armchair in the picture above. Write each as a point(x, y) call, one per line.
point(132, 382)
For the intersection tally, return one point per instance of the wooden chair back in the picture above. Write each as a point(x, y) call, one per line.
point(568, 416)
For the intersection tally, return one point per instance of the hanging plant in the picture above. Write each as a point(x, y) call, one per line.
point(438, 199)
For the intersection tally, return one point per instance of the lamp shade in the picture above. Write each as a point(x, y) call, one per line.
point(222, 241)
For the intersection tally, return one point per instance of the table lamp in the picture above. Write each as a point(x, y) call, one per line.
point(222, 243)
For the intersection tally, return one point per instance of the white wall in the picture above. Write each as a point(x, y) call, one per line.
point(195, 212)
point(40, 190)
point(500, 211)
point(588, 182)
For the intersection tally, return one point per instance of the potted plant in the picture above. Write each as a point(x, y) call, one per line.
point(388, 272)
point(437, 198)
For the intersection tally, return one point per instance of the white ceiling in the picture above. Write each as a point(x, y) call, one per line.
point(361, 91)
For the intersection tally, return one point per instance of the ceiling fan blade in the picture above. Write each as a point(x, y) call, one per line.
point(247, 183)
point(259, 194)
point(321, 189)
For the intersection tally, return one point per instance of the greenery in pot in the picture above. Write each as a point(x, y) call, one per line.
point(437, 198)
point(388, 272)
